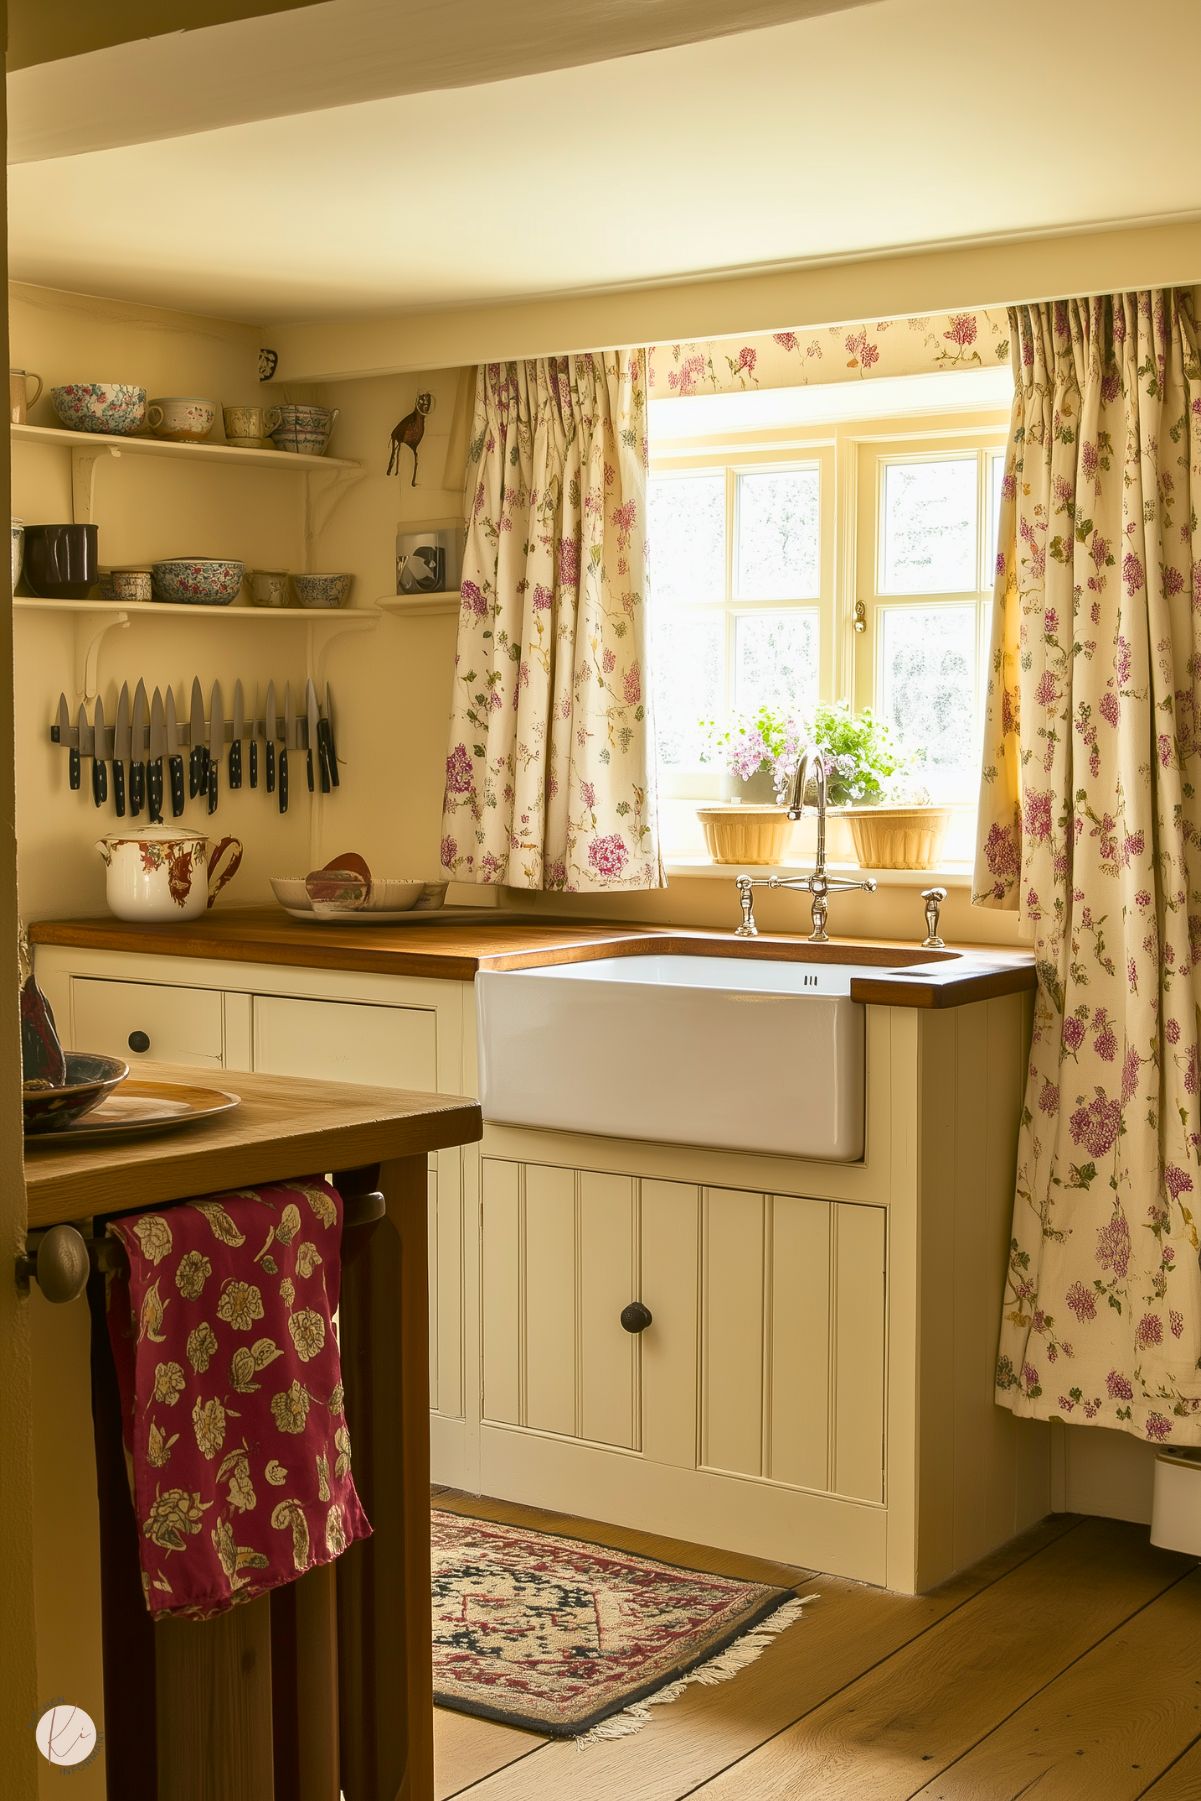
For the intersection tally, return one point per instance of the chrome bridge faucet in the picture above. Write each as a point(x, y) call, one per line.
point(819, 884)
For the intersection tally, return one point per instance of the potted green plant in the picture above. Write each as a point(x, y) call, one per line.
point(877, 788)
point(758, 753)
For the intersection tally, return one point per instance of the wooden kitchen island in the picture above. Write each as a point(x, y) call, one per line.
point(325, 1684)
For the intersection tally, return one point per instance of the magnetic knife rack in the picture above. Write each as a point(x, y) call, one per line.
point(255, 728)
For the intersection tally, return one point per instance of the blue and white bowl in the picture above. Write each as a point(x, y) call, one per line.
point(197, 581)
point(321, 590)
point(105, 406)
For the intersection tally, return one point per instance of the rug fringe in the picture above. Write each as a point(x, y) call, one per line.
point(745, 1650)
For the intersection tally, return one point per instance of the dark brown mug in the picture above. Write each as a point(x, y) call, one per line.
point(61, 561)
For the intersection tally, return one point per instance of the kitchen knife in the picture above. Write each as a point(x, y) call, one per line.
point(83, 735)
point(62, 722)
point(235, 747)
point(158, 747)
point(122, 749)
point(63, 729)
point(313, 716)
point(327, 727)
point(137, 769)
point(174, 756)
point(270, 734)
point(254, 741)
point(288, 732)
point(99, 769)
point(216, 741)
point(197, 774)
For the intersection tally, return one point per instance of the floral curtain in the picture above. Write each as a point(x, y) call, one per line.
point(1090, 825)
point(550, 774)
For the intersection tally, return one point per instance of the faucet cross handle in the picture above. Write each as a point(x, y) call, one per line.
point(933, 897)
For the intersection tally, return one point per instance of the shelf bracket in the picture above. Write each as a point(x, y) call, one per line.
point(83, 479)
point(323, 628)
point(88, 639)
point(324, 490)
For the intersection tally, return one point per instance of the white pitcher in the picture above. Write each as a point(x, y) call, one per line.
point(160, 873)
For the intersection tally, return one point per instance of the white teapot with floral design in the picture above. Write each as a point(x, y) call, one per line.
point(161, 873)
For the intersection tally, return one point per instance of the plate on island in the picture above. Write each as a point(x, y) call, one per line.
point(137, 1107)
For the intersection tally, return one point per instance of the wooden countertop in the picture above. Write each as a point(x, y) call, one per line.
point(908, 976)
point(283, 1127)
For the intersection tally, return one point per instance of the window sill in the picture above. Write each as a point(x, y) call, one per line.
point(947, 875)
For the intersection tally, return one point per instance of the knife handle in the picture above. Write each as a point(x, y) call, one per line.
point(254, 762)
point(119, 787)
point(308, 770)
point(212, 783)
point(99, 782)
point(270, 750)
point(325, 733)
point(283, 780)
point(235, 763)
point(194, 756)
point(175, 768)
point(323, 761)
point(154, 789)
point(137, 787)
point(74, 769)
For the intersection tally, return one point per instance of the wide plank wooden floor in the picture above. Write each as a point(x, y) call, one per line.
point(1066, 1667)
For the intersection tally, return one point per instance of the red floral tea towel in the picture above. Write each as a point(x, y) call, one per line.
point(231, 1393)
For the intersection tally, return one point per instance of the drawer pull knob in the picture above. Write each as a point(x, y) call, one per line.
point(636, 1317)
point(139, 1041)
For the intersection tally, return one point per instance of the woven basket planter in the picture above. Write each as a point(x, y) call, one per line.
point(898, 837)
point(746, 835)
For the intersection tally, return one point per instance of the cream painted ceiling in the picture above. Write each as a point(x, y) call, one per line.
point(886, 126)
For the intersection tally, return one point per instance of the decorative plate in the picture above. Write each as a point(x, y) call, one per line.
point(138, 1107)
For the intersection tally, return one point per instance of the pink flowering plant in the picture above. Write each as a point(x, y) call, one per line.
point(767, 742)
point(865, 766)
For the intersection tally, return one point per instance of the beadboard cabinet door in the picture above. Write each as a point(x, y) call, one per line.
point(764, 1356)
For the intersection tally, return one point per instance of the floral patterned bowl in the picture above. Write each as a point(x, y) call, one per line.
point(198, 581)
point(89, 1079)
point(321, 590)
point(107, 406)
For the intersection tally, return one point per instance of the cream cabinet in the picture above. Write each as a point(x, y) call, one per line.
point(815, 1381)
point(325, 1024)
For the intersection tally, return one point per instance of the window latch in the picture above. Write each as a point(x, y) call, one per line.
point(860, 619)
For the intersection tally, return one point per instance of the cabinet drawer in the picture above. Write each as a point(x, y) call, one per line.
point(178, 1025)
point(345, 1041)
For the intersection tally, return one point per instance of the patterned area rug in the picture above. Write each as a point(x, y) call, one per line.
point(567, 1638)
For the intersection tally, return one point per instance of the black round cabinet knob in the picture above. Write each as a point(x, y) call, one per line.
point(139, 1041)
point(636, 1317)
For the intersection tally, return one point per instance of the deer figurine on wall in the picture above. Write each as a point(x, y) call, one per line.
point(409, 431)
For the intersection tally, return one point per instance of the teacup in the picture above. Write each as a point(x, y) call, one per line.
point(249, 426)
point(269, 588)
point(181, 421)
point(18, 394)
point(304, 430)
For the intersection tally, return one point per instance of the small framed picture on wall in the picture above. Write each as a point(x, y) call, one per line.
point(429, 561)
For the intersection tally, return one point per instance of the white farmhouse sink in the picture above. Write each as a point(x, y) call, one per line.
point(717, 1051)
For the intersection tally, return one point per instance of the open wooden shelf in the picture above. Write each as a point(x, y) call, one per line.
point(230, 454)
point(418, 606)
point(122, 611)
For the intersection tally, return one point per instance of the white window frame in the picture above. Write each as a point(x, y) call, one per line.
point(851, 457)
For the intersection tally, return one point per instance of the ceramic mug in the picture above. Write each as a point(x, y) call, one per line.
point(249, 425)
point(304, 430)
point(162, 873)
point(18, 394)
point(270, 588)
point(181, 421)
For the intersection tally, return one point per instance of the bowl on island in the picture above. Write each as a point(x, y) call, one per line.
point(89, 1079)
point(321, 590)
point(340, 891)
point(104, 406)
point(197, 581)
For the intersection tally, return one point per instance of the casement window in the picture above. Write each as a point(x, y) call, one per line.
point(856, 566)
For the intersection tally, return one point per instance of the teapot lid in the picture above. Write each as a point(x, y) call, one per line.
point(156, 834)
